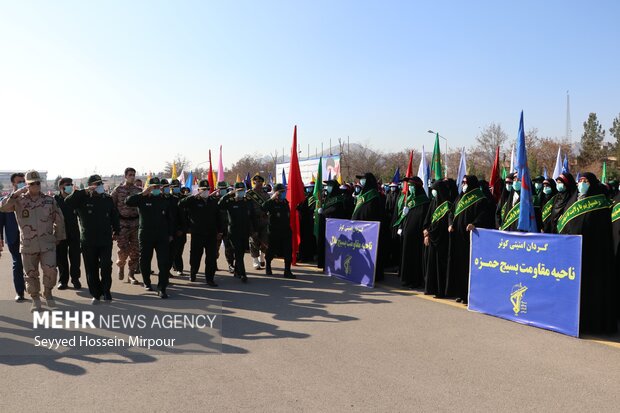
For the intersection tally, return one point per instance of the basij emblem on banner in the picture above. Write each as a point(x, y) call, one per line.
point(351, 250)
point(529, 278)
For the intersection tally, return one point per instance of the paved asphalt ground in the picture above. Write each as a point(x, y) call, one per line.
point(318, 344)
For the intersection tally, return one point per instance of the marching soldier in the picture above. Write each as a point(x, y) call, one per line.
point(41, 227)
point(259, 235)
point(203, 217)
point(100, 225)
point(156, 230)
point(180, 235)
point(240, 220)
point(229, 252)
point(71, 245)
point(127, 240)
point(280, 234)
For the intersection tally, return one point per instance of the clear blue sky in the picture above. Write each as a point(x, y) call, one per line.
point(88, 85)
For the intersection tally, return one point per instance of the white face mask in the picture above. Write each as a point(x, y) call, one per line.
point(363, 182)
point(464, 187)
point(204, 194)
point(100, 189)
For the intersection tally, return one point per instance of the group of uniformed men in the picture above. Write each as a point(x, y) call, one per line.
point(43, 231)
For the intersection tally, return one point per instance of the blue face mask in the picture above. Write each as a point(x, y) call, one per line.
point(516, 185)
point(547, 190)
point(363, 182)
point(583, 187)
point(560, 187)
point(434, 192)
point(240, 194)
point(508, 187)
point(156, 192)
point(176, 190)
point(68, 189)
point(100, 189)
point(283, 195)
point(358, 189)
point(538, 186)
point(167, 191)
point(21, 185)
point(330, 189)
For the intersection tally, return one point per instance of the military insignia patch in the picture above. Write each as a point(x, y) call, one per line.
point(25, 213)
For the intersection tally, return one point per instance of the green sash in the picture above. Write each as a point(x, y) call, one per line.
point(546, 211)
point(333, 200)
point(440, 212)
point(468, 200)
point(615, 212)
point(365, 197)
point(503, 212)
point(512, 216)
point(412, 202)
point(583, 206)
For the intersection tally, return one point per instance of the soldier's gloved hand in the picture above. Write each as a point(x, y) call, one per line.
point(399, 232)
point(320, 211)
point(405, 211)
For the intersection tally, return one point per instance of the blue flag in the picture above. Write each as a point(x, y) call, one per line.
point(527, 219)
point(396, 178)
point(545, 173)
point(565, 165)
point(283, 178)
point(248, 181)
point(190, 180)
point(578, 177)
point(270, 180)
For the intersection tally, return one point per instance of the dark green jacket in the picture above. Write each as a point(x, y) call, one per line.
point(203, 215)
point(72, 228)
point(279, 214)
point(98, 217)
point(157, 218)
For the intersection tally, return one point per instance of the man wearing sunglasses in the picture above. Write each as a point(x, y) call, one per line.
point(41, 226)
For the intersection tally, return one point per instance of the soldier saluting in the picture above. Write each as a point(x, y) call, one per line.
point(100, 225)
point(42, 226)
point(280, 234)
point(156, 230)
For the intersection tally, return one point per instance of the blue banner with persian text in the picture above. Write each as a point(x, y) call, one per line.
point(529, 278)
point(351, 250)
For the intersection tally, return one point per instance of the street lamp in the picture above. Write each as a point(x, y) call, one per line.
point(445, 156)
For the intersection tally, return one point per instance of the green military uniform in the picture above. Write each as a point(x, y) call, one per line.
point(180, 234)
point(203, 219)
point(223, 237)
point(156, 229)
point(280, 234)
point(240, 220)
point(99, 220)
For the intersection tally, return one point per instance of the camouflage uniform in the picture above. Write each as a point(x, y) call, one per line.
point(127, 239)
point(259, 237)
point(41, 226)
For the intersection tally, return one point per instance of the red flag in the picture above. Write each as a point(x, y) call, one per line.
point(210, 177)
point(495, 182)
point(295, 195)
point(409, 174)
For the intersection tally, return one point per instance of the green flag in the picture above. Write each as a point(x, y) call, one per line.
point(436, 162)
point(604, 174)
point(504, 173)
point(316, 194)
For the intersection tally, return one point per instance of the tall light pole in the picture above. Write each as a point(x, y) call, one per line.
point(445, 155)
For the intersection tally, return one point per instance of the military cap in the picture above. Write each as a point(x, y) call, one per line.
point(95, 179)
point(204, 184)
point(32, 176)
point(257, 177)
point(239, 185)
point(222, 185)
point(153, 181)
point(65, 181)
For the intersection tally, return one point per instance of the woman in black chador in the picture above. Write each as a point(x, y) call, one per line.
point(470, 211)
point(436, 239)
point(588, 214)
point(411, 209)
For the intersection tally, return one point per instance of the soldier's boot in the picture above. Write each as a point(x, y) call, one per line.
point(36, 304)
point(261, 259)
point(49, 299)
point(287, 269)
point(231, 267)
point(131, 279)
point(268, 270)
point(256, 263)
point(121, 273)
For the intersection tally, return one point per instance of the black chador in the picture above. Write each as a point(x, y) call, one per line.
point(370, 207)
point(567, 187)
point(437, 239)
point(470, 210)
point(412, 208)
point(588, 214)
point(332, 206)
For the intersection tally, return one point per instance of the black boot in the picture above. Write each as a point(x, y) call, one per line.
point(287, 269)
point(268, 270)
